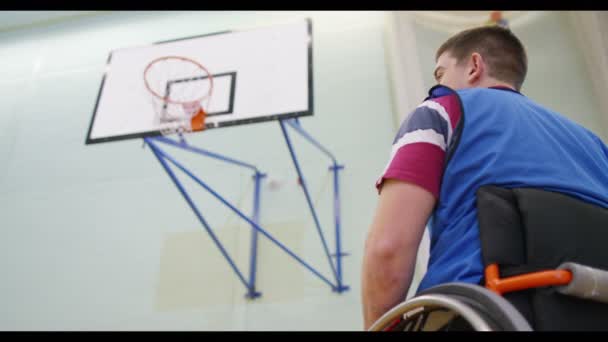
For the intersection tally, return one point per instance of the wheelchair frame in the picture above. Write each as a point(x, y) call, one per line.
point(483, 308)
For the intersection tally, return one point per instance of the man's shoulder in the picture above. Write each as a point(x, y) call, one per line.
point(440, 91)
point(445, 101)
point(455, 100)
point(496, 100)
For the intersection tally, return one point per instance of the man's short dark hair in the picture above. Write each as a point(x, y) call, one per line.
point(502, 51)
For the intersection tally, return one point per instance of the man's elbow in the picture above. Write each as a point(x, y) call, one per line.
point(383, 249)
point(386, 266)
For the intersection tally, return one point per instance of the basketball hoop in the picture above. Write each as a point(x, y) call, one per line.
point(178, 87)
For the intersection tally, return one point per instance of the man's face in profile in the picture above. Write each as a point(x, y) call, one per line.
point(449, 73)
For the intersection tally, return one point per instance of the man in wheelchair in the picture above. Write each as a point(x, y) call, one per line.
point(515, 196)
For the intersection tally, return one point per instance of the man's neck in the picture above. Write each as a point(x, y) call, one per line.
point(491, 83)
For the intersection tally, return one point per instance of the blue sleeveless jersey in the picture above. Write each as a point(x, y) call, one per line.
point(505, 139)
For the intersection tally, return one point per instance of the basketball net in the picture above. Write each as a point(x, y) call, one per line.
point(180, 90)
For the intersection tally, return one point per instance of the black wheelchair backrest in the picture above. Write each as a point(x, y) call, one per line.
point(526, 230)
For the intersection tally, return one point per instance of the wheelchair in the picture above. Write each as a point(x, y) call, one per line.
point(545, 258)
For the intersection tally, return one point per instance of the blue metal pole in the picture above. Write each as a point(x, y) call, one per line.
point(335, 168)
point(244, 217)
point(296, 126)
point(160, 155)
point(310, 205)
point(194, 149)
point(254, 237)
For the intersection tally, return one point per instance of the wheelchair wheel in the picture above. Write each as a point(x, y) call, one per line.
point(453, 307)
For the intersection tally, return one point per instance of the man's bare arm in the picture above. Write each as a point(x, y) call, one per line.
point(392, 245)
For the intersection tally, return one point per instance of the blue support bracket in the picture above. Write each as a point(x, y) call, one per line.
point(252, 293)
point(258, 176)
point(339, 254)
point(308, 199)
point(335, 168)
point(163, 157)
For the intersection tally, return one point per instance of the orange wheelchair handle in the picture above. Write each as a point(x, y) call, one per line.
point(494, 283)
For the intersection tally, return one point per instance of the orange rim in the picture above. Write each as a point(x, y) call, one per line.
point(524, 281)
point(185, 59)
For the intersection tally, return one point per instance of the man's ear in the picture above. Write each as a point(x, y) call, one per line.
point(476, 68)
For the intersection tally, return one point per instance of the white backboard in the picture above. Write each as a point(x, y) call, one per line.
point(258, 75)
